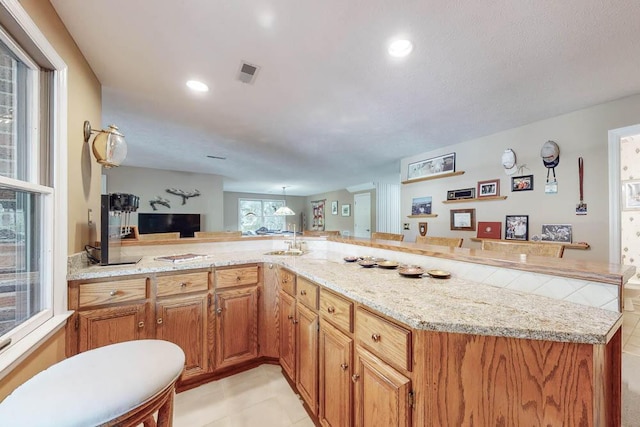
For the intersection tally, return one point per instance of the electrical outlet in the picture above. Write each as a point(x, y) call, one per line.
point(406, 225)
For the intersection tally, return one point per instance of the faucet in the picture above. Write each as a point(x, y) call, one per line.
point(295, 245)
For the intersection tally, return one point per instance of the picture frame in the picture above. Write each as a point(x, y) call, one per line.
point(489, 230)
point(463, 219)
point(522, 183)
point(346, 210)
point(334, 207)
point(434, 166)
point(489, 188)
point(516, 227)
point(631, 195)
point(422, 228)
point(421, 206)
point(559, 233)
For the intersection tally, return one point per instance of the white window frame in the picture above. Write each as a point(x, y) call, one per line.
point(40, 327)
point(245, 199)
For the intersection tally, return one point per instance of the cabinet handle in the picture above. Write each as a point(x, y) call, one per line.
point(270, 266)
point(238, 278)
point(183, 284)
point(159, 321)
point(303, 292)
point(355, 377)
point(344, 366)
point(219, 310)
point(140, 324)
point(113, 293)
point(331, 309)
point(290, 316)
point(295, 321)
point(375, 337)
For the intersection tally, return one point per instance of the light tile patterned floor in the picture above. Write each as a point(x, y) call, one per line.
point(631, 323)
point(258, 397)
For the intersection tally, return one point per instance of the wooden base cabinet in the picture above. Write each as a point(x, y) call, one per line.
point(382, 395)
point(335, 392)
point(288, 335)
point(104, 326)
point(236, 326)
point(307, 356)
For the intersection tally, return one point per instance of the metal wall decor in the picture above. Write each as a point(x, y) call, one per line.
point(159, 201)
point(184, 194)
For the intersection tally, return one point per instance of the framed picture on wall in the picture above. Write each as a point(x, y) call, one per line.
point(334, 207)
point(631, 196)
point(516, 227)
point(490, 188)
point(433, 166)
point(346, 210)
point(556, 233)
point(463, 219)
point(522, 183)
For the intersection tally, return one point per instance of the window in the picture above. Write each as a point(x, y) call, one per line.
point(256, 213)
point(30, 204)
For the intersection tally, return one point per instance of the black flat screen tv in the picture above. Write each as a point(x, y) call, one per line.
point(186, 224)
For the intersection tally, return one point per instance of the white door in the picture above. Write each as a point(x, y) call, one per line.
point(362, 215)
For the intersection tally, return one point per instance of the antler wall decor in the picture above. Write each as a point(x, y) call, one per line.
point(184, 194)
point(159, 201)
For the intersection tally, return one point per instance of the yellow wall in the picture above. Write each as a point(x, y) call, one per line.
point(84, 103)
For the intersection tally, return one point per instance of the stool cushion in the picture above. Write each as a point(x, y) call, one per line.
point(94, 387)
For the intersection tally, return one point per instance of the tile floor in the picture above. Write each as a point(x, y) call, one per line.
point(262, 397)
point(258, 397)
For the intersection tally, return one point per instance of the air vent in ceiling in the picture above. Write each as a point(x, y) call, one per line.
point(247, 73)
point(217, 157)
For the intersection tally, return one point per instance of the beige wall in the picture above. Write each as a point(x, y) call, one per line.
point(148, 183)
point(84, 103)
point(297, 204)
point(338, 222)
point(583, 133)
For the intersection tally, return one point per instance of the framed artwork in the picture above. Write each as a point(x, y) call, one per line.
point(346, 210)
point(433, 166)
point(631, 196)
point(422, 228)
point(516, 227)
point(522, 183)
point(421, 206)
point(561, 233)
point(489, 230)
point(318, 215)
point(463, 219)
point(334, 207)
point(488, 188)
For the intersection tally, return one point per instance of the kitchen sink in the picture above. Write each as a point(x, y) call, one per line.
point(286, 253)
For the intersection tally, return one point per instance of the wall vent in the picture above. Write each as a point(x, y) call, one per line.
point(247, 72)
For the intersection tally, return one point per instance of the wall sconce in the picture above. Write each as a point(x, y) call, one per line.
point(109, 145)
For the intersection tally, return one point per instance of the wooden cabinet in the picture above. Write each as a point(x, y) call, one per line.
point(335, 395)
point(288, 335)
point(236, 326)
point(307, 355)
point(383, 395)
point(104, 326)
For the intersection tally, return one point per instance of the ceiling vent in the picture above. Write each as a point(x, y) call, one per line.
point(247, 73)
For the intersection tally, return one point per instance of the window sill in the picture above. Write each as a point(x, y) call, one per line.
point(13, 355)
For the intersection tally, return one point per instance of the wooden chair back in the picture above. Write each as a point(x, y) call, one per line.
point(320, 233)
point(387, 236)
point(452, 242)
point(529, 248)
point(213, 234)
point(159, 236)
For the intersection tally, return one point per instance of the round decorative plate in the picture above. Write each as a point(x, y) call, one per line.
point(367, 263)
point(439, 274)
point(411, 271)
point(388, 264)
point(351, 258)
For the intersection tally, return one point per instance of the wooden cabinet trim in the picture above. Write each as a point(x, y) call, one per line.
point(228, 277)
point(386, 339)
point(95, 294)
point(180, 284)
point(336, 310)
point(307, 293)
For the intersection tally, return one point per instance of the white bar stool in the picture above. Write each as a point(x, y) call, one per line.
point(120, 384)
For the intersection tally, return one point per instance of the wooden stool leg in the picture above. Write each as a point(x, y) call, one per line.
point(165, 414)
point(149, 421)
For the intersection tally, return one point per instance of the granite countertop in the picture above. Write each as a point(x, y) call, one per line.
point(446, 305)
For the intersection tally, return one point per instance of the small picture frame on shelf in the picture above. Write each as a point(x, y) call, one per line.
point(516, 227)
point(561, 233)
point(463, 219)
point(489, 230)
point(489, 188)
point(334, 207)
point(522, 183)
point(434, 166)
point(346, 210)
point(421, 206)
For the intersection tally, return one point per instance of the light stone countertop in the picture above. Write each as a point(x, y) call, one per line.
point(446, 305)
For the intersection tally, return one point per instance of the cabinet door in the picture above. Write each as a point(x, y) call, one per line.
point(288, 335)
point(236, 326)
point(307, 356)
point(381, 393)
point(335, 395)
point(184, 322)
point(111, 325)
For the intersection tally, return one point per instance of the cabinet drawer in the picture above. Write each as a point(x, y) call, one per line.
point(307, 293)
point(288, 282)
point(178, 284)
point(236, 276)
point(336, 310)
point(387, 340)
point(101, 293)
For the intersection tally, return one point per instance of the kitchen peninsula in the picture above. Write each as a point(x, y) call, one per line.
point(464, 350)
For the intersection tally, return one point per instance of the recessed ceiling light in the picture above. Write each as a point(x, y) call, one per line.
point(197, 86)
point(400, 48)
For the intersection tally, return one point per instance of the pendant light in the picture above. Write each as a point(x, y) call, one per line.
point(284, 210)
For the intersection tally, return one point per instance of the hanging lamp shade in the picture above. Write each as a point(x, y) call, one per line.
point(284, 210)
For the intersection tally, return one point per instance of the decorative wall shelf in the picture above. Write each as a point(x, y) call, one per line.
point(428, 178)
point(480, 199)
point(581, 245)
point(423, 216)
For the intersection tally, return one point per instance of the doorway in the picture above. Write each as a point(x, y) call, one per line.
point(362, 215)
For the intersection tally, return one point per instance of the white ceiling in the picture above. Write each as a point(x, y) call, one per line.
point(329, 107)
